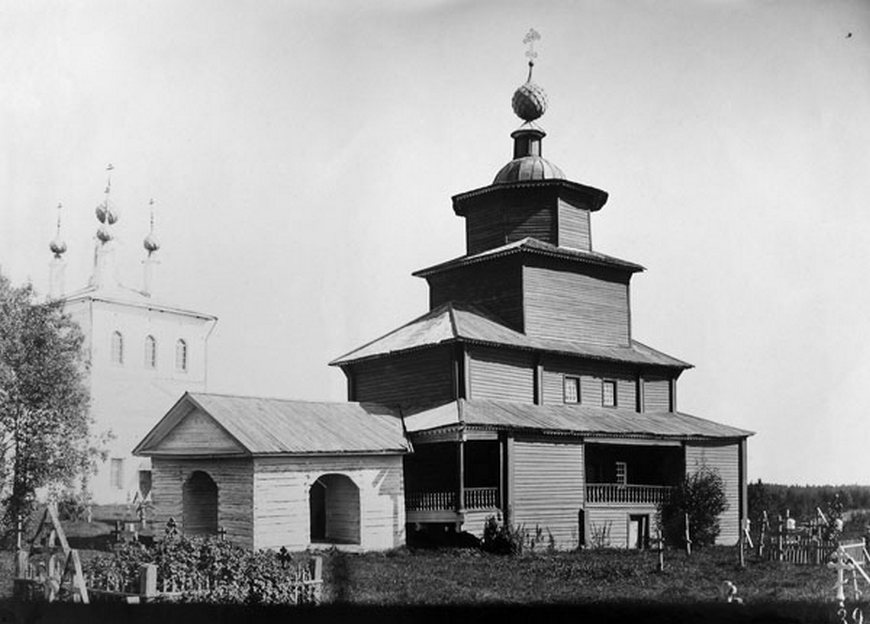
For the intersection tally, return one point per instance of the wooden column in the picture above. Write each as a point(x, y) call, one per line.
point(639, 393)
point(501, 474)
point(351, 389)
point(539, 382)
point(672, 392)
point(741, 478)
point(509, 469)
point(460, 372)
point(460, 485)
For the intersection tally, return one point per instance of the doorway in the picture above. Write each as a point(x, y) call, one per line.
point(638, 531)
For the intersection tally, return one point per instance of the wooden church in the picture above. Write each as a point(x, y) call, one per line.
point(520, 394)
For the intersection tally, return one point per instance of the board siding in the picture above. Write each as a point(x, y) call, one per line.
point(575, 306)
point(536, 223)
point(574, 227)
point(422, 377)
point(198, 433)
point(234, 480)
point(495, 287)
point(498, 374)
point(483, 228)
point(724, 458)
point(548, 489)
point(611, 522)
point(656, 395)
point(281, 503)
point(590, 383)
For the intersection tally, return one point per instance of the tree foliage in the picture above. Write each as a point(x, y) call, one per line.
point(701, 495)
point(44, 418)
point(801, 501)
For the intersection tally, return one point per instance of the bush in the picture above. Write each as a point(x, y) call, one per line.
point(503, 538)
point(701, 495)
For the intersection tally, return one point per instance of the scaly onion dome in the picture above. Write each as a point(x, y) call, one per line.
point(57, 246)
point(151, 244)
point(104, 234)
point(103, 212)
point(529, 101)
point(528, 168)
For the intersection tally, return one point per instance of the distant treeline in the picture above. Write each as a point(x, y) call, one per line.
point(801, 501)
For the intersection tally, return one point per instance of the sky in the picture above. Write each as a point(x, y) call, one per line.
point(302, 156)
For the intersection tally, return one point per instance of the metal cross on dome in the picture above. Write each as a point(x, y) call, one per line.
point(530, 38)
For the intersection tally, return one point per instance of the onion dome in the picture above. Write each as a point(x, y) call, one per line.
point(58, 247)
point(151, 244)
point(104, 234)
point(529, 101)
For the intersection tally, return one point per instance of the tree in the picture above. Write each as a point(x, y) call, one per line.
point(701, 495)
point(44, 417)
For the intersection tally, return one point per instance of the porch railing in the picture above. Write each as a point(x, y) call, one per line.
point(475, 498)
point(618, 493)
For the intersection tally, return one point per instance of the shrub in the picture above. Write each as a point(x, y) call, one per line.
point(701, 495)
point(503, 538)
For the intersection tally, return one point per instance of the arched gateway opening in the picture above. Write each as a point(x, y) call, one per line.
point(200, 505)
point(334, 507)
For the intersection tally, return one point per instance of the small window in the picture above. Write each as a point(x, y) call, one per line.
point(608, 394)
point(571, 389)
point(150, 352)
point(116, 473)
point(181, 356)
point(117, 348)
point(621, 473)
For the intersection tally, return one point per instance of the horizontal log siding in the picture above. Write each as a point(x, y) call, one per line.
point(495, 287)
point(656, 395)
point(548, 489)
point(574, 229)
point(420, 377)
point(484, 228)
point(611, 522)
point(723, 458)
point(498, 374)
point(575, 306)
point(590, 382)
point(199, 434)
point(281, 490)
point(234, 480)
point(536, 222)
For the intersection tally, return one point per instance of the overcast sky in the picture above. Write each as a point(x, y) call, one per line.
point(302, 156)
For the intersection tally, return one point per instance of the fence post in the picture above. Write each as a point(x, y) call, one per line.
point(740, 545)
point(688, 537)
point(147, 581)
point(779, 550)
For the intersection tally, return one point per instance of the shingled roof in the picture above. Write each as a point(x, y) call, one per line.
point(563, 419)
point(259, 426)
point(450, 323)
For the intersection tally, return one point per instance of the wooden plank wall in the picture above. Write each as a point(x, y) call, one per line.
point(494, 286)
point(281, 508)
point(590, 382)
point(500, 374)
point(234, 479)
point(198, 433)
point(535, 222)
point(611, 520)
point(575, 306)
point(421, 377)
point(656, 395)
point(484, 228)
point(342, 509)
point(724, 458)
point(574, 227)
point(548, 488)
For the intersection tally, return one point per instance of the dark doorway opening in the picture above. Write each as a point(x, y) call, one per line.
point(200, 505)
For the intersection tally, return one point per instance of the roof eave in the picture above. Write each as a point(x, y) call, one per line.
point(598, 196)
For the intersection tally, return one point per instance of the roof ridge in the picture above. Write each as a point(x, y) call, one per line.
point(286, 399)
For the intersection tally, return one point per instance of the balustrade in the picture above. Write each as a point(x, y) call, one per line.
point(619, 493)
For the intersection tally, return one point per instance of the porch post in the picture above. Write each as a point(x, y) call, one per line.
point(460, 489)
point(501, 471)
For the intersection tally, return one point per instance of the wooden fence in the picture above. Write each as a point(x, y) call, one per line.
point(801, 549)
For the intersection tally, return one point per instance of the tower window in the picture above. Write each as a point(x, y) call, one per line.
point(621, 473)
point(608, 393)
point(116, 473)
point(181, 355)
point(117, 348)
point(150, 352)
point(571, 389)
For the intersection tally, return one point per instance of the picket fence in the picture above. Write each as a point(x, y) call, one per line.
point(806, 550)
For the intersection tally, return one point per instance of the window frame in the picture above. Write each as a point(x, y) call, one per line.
point(576, 382)
point(150, 352)
point(182, 361)
point(605, 383)
point(116, 348)
point(116, 473)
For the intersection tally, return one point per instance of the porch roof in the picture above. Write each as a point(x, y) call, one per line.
point(262, 426)
point(567, 420)
point(463, 323)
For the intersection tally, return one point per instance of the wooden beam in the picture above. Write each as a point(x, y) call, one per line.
point(539, 382)
point(460, 485)
point(741, 469)
point(672, 395)
point(640, 398)
point(509, 467)
point(501, 474)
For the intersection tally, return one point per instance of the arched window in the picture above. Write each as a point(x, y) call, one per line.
point(150, 352)
point(117, 348)
point(181, 355)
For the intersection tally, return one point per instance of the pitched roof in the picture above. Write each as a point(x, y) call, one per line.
point(537, 247)
point(450, 322)
point(284, 427)
point(567, 420)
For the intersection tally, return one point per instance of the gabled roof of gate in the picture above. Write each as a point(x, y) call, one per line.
point(451, 323)
point(564, 419)
point(216, 424)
